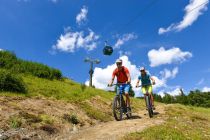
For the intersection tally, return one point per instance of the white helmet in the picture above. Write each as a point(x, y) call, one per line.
point(118, 61)
point(142, 69)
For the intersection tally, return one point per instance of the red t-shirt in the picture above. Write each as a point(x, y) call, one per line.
point(121, 74)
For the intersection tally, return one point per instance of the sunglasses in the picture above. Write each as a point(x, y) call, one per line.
point(118, 64)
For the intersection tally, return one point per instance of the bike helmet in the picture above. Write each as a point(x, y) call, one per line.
point(142, 69)
point(118, 61)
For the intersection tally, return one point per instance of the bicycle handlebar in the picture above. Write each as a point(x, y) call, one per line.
point(144, 85)
point(117, 84)
point(138, 86)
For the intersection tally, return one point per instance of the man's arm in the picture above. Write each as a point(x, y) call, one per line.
point(111, 82)
point(129, 77)
point(126, 71)
point(137, 83)
point(153, 80)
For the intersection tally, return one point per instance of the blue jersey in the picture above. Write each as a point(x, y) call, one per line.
point(145, 80)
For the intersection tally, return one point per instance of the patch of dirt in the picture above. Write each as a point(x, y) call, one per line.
point(115, 130)
point(32, 111)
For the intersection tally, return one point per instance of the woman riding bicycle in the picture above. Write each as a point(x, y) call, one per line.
point(146, 85)
point(123, 76)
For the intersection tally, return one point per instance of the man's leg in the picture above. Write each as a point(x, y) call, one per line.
point(127, 99)
point(151, 96)
point(152, 99)
point(144, 91)
point(127, 88)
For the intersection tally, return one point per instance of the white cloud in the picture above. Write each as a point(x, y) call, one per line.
point(54, 1)
point(124, 38)
point(162, 56)
point(82, 16)
point(192, 11)
point(165, 76)
point(201, 82)
point(102, 76)
point(1, 49)
point(70, 41)
point(127, 53)
point(206, 89)
point(23, 0)
point(169, 74)
point(174, 92)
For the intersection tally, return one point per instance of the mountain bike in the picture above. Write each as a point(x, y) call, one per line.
point(148, 103)
point(119, 106)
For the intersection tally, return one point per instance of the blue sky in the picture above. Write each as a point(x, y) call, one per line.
point(169, 38)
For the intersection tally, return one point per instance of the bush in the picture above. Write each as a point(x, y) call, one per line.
point(194, 98)
point(71, 118)
point(9, 61)
point(11, 82)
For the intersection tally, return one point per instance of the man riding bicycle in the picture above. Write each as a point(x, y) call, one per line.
point(146, 85)
point(123, 76)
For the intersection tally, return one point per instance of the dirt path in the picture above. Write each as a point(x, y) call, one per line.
point(114, 130)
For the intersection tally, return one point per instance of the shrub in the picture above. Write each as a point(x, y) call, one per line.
point(11, 82)
point(9, 61)
point(71, 118)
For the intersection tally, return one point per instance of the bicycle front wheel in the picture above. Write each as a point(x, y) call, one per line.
point(149, 106)
point(117, 108)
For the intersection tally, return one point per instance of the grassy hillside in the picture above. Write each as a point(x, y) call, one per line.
point(42, 104)
point(10, 62)
point(66, 90)
point(54, 107)
point(183, 123)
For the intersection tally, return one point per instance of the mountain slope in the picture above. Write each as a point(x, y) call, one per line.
point(54, 107)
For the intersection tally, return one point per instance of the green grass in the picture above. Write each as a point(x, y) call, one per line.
point(184, 122)
point(95, 114)
point(66, 90)
point(72, 92)
point(15, 122)
point(46, 119)
point(62, 90)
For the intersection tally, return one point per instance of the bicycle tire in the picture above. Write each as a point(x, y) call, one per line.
point(149, 107)
point(122, 105)
point(117, 109)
